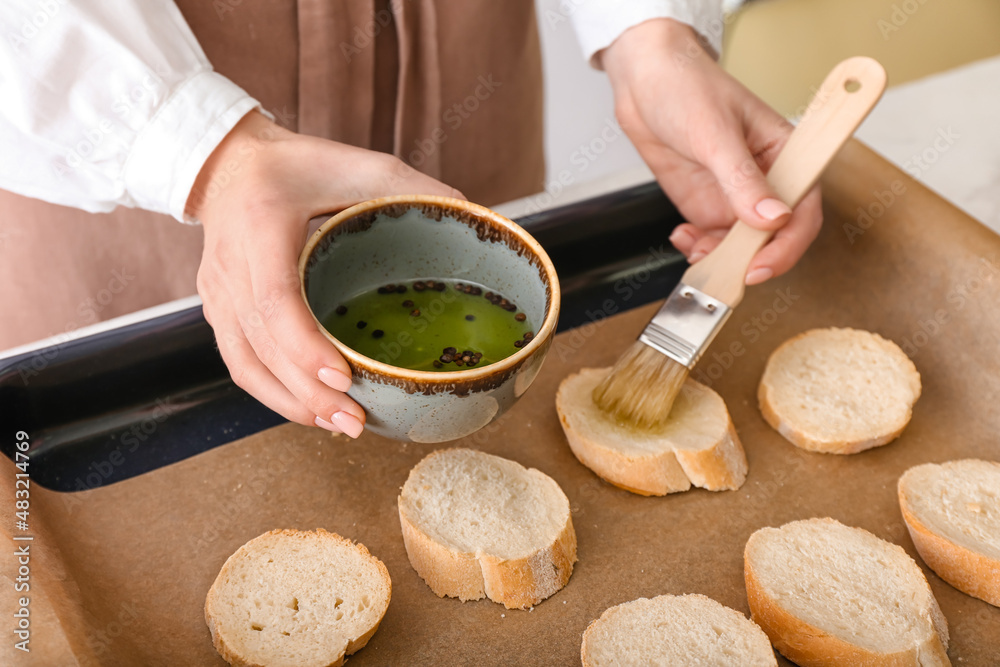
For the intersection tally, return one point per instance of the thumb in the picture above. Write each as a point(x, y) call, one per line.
point(744, 185)
point(373, 174)
point(345, 175)
point(403, 179)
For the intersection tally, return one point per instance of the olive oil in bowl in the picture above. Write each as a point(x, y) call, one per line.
point(431, 325)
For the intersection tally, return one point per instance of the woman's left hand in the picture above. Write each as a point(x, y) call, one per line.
point(709, 141)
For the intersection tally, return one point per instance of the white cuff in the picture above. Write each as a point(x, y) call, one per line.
point(170, 151)
point(598, 23)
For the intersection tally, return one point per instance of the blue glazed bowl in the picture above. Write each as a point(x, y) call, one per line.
point(402, 238)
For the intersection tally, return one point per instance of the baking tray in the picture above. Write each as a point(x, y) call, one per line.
point(122, 570)
point(120, 403)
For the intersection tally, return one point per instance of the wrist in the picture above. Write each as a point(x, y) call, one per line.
point(657, 42)
point(229, 161)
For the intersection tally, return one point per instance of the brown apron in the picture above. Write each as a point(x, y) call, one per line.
point(452, 87)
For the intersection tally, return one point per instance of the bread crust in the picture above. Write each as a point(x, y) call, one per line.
point(585, 643)
point(722, 467)
point(445, 570)
point(972, 573)
point(803, 440)
point(808, 646)
point(515, 583)
point(654, 475)
point(235, 659)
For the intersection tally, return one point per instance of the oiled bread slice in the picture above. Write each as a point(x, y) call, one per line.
point(838, 391)
point(690, 630)
point(479, 525)
point(952, 511)
point(291, 598)
point(697, 444)
point(829, 594)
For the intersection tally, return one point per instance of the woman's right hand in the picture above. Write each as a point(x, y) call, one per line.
point(255, 196)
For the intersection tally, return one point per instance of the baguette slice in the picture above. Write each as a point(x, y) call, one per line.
point(697, 445)
point(478, 525)
point(952, 511)
point(291, 598)
point(838, 391)
point(675, 630)
point(828, 594)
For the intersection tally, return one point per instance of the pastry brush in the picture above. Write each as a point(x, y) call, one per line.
point(642, 386)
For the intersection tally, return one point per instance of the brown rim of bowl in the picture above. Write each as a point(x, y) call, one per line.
point(440, 377)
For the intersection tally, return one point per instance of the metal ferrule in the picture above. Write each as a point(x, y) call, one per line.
point(685, 325)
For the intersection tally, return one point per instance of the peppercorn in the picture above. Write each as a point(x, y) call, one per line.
point(520, 317)
point(378, 333)
point(341, 310)
point(362, 324)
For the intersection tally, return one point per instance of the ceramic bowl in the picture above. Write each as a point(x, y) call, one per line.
point(404, 238)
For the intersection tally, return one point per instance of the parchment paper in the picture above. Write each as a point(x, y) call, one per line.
point(127, 567)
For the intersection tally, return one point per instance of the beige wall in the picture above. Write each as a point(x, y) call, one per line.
point(782, 48)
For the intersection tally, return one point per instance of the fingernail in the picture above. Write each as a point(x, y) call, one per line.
point(759, 275)
point(334, 379)
point(695, 256)
point(772, 209)
point(348, 423)
point(322, 423)
point(680, 234)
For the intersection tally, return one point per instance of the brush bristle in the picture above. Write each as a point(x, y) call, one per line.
point(641, 387)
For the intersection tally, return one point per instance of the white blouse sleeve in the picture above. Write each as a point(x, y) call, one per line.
point(600, 22)
point(108, 102)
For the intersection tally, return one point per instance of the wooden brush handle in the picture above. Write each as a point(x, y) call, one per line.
point(841, 103)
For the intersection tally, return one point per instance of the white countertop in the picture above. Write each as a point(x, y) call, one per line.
point(945, 131)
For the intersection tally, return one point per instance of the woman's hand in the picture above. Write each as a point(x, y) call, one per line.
point(255, 196)
point(709, 142)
